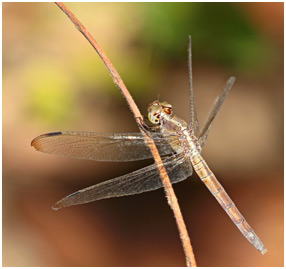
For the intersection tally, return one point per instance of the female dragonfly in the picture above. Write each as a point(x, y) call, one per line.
point(178, 143)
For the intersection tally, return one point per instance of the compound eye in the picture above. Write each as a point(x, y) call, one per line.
point(167, 108)
point(153, 105)
point(154, 115)
point(154, 111)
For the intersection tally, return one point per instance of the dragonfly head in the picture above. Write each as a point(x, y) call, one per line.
point(157, 109)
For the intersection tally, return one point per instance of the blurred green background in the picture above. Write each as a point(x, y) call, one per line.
point(53, 80)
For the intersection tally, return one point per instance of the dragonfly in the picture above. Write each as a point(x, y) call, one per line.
point(179, 145)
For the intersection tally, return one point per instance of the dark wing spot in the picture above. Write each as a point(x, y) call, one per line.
point(35, 141)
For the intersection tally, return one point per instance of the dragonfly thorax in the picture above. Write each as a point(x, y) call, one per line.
point(158, 109)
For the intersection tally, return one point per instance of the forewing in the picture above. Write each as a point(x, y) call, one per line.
point(146, 179)
point(101, 146)
point(214, 110)
point(193, 114)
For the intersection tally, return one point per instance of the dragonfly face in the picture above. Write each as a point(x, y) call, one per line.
point(157, 109)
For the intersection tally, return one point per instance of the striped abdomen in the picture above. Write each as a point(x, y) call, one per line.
point(208, 177)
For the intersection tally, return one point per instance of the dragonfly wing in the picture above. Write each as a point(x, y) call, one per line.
point(214, 110)
point(146, 179)
point(101, 146)
point(193, 114)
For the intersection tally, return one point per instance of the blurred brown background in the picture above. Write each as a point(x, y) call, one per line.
point(53, 80)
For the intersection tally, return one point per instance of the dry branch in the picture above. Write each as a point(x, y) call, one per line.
point(171, 197)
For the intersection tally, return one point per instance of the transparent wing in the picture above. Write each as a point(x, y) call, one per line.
point(146, 179)
point(215, 109)
point(101, 146)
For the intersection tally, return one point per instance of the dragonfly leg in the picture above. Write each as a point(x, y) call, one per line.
point(146, 128)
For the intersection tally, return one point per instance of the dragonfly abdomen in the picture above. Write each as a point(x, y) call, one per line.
point(209, 179)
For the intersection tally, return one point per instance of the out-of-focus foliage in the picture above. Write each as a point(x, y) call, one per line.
point(53, 80)
point(221, 33)
point(153, 36)
point(51, 94)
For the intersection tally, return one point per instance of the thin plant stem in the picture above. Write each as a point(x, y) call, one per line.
point(170, 194)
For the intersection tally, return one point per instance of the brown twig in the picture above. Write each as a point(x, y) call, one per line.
point(171, 197)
